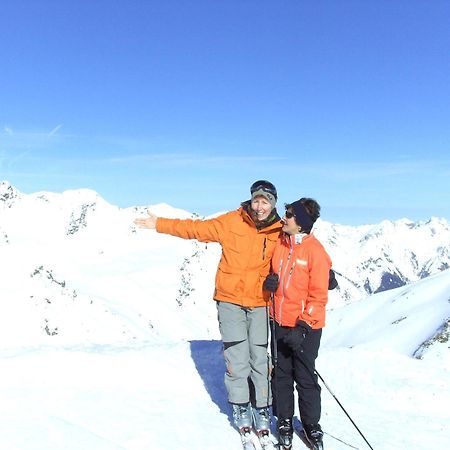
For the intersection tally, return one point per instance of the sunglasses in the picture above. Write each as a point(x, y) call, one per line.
point(289, 214)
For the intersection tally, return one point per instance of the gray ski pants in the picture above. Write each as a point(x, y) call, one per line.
point(244, 334)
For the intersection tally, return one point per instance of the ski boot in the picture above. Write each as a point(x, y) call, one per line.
point(285, 433)
point(261, 420)
point(314, 435)
point(242, 416)
point(261, 424)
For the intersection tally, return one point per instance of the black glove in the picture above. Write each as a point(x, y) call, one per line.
point(297, 335)
point(332, 282)
point(271, 282)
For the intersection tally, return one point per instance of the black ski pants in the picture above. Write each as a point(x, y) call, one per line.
point(295, 368)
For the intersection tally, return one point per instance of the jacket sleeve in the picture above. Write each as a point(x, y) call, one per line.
point(203, 230)
point(320, 264)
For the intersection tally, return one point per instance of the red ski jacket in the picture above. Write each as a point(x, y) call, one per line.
point(303, 266)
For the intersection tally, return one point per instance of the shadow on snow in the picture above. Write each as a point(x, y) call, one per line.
point(210, 364)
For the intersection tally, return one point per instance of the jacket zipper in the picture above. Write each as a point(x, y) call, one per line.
point(282, 280)
point(290, 274)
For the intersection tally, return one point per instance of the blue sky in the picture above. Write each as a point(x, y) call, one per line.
point(189, 102)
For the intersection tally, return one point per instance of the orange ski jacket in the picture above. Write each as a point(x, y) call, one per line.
point(303, 266)
point(246, 253)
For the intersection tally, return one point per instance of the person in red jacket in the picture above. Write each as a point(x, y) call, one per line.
point(248, 237)
point(299, 282)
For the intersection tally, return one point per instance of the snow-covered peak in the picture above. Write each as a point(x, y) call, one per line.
point(165, 210)
point(77, 233)
point(387, 255)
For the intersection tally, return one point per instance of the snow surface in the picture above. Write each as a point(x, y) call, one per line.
point(109, 339)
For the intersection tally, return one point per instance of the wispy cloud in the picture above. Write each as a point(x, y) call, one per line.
point(33, 133)
point(12, 140)
point(55, 130)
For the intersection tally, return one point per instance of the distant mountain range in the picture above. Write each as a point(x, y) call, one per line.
point(374, 258)
point(82, 270)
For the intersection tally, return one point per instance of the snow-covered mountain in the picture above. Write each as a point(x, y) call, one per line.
point(375, 258)
point(74, 268)
point(109, 335)
point(74, 252)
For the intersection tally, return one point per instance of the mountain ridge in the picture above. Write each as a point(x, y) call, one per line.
point(74, 261)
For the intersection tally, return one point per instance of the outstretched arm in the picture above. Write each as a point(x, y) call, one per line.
point(203, 230)
point(147, 222)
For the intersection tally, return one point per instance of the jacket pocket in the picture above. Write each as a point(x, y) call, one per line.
point(238, 241)
point(228, 282)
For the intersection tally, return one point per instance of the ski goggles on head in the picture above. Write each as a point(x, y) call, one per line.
point(265, 186)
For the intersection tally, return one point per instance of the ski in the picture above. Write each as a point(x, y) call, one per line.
point(284, 442)
point(285, 446)
point(306, 441)
point(265, 440)
point(246, 438)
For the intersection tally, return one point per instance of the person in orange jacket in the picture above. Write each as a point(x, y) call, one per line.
point(299, 283)
point(248, 237)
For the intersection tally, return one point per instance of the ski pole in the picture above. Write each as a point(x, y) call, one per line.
point(306, 363)
point(268, 358)
point(274, 336)
point(343, 409)
point(274, 357)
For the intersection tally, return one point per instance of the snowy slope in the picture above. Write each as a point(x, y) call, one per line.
point(72, 261)
point(109, 335)
point(155, 395)
point(402, 320)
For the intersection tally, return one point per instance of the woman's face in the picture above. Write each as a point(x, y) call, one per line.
point(261, 207)
point(289, 224)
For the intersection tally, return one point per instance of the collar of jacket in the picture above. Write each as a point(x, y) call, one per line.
point(295, 239)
